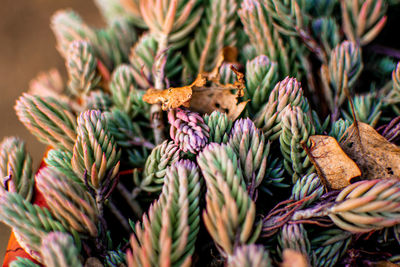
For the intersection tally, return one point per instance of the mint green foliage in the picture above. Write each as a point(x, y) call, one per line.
point(16, 167)
point(250, 145)
point(142, 58)
point(49, 119)
point(286, 93)
point(368, 108)
point(215, 31)
point(321, 127)
point(261, 78)
point(132, 135)
point(58, 250)
point(265, 37)
point(125, 95)
point(95, 151)
point(23, 262)
point(274, 176)
point(338, 128)
point(294, 236)
point(321, 7)
point(228, 201)
point(115, 10)
point(345, 66)
point(296, 128)
point(115, 258)
point(82, 68)
point(31, 222)
point(308, 186)
point(249, 52)
point(173, 218)
point(329, 246)
point(220, 126)
point(383, 66)
point(61, 161)
point(111, 45)
point(161, 157)
point(98, 100)
point(326, 29)
point(123, 129)
point(67, 27)
point(68, 201)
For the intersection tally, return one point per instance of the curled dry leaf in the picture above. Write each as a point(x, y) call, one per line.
point(224, 101)
point(220, 97)
point(334, 167)
point(174, 97)
point(205, 94)
point(293, 258)
point(376, 156)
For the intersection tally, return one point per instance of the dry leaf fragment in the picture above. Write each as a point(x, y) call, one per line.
point(220, 97)
point(293, 258)
point(202, 98)
point(173, 97)
point(376, 157)
point(334, 167)
point(207, 101)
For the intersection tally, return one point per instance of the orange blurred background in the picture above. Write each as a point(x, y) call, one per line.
point(27, 46)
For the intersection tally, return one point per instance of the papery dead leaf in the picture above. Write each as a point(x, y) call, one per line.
point(334, 167)
point(202, 98)
point(207, 101)
point(173, 97)
point(375, 156)
point(220, 97)
point(293, 258)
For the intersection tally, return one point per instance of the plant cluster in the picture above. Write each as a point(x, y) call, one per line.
point(212, 133)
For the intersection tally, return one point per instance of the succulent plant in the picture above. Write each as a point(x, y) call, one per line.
point(264, 102)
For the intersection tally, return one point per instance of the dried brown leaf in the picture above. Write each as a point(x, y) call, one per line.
point(334, 167)
point(205, 98)
point(173, 97)
point(207, 101)
point(220, 97)
point(376, 157)
point(293, 258)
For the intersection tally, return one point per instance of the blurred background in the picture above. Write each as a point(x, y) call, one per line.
point(27, 47)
